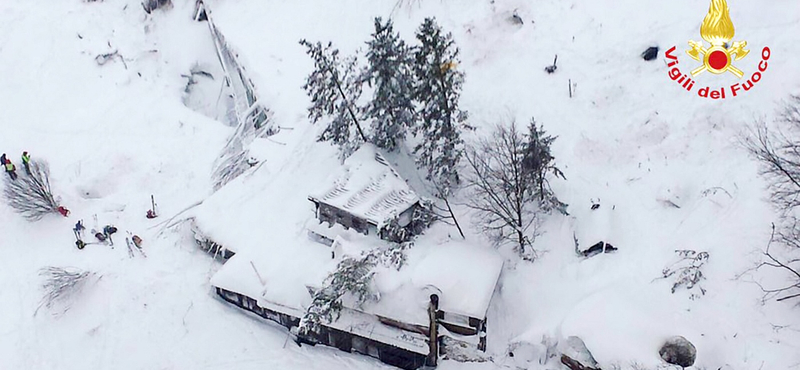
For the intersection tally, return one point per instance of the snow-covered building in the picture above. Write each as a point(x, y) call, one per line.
point(452, 282)
point(367, 195)
point(594, 229)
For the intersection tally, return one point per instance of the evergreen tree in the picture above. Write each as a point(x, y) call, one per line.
point(391, 109)
point(537, 163)
point(438, 89)
point(334, 87)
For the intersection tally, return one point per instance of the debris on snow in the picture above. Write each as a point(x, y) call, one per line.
point(102, 59)
point(552, 68)
point(61, 285)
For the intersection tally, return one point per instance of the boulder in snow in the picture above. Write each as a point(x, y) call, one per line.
point(678, 351)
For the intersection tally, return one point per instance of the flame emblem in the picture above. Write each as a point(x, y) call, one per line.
point(717, 29)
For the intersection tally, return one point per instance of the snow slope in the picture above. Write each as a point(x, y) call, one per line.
point(630, 136)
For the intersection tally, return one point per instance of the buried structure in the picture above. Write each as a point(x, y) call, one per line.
point(427, 298)
point(442, 293)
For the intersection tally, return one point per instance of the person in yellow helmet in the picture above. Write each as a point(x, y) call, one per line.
point(11, 170)
point(26, 162)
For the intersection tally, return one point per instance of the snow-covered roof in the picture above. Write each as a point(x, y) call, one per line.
point(464, 277)
point(368, 187)
point(368, 326)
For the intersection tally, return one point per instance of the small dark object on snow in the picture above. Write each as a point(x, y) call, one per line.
point(80, 244)
point(678, 351)
point(595, 206)
point(650, 54)
point(137, 241)
point(100, 236)
point(516, 19)
point(552, 68)
point(151, 214)
point(600, 247)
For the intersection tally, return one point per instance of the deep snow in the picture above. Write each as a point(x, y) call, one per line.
point(630, 137)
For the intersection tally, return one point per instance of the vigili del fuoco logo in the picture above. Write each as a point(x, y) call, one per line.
point(717, 30)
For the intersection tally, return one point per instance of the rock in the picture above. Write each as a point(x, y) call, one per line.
point(650, 54)
point(678, 351)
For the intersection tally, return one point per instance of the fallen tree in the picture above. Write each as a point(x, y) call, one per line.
point(30, 195)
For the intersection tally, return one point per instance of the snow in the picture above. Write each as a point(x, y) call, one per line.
point(597, 225)
point(368, 188)
point(628, 136)
point(464, 277)
point(368, 326)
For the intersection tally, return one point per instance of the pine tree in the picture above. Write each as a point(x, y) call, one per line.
point(334, 87)
point(438, 90)
point(392, 108)
point(538, 162)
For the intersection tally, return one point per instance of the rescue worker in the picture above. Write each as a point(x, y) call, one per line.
point(11, 170)
point(107, 231)
point(79, 227)
point(3, 159)
point(26, 162)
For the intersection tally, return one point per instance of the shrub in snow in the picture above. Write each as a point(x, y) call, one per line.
point(334, 87)
point(678, 351)
point(687, 271)
point(353, 277)
point(389, 70)
point(61, 285)
point(509, 183)
point(30, 194)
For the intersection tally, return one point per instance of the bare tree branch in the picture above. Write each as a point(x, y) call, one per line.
point(507, 183)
